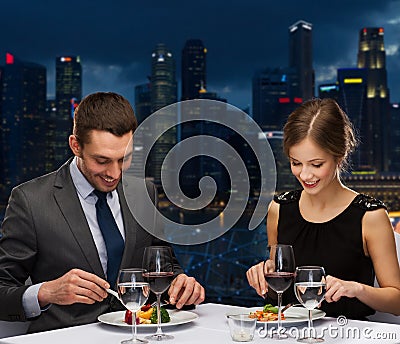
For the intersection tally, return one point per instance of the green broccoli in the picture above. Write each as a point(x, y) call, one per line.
point(164, 315)
point(269, 308)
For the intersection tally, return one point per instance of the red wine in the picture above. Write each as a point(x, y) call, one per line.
point(279, 281)
point(159, 281)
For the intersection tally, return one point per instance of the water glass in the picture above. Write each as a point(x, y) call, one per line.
point(242, 327)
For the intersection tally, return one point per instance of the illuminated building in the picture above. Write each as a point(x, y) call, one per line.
point(352, 98)
point(395, 138)
point(163, 79)
point(142, 102)
point(274, 97)
point(51, 115)
point(163, 92)
point(301, 58)
point(193, 69)
point(23, 121)
point(285, 181)
point(68, 93)
point(372, 57)
point(329, 91)
point(383, 186)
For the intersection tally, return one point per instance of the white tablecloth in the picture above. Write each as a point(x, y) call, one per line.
point(212, 327)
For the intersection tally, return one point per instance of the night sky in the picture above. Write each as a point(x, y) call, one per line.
point(115, 38)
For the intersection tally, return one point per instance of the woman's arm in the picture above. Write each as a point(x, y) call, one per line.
point(379, 244)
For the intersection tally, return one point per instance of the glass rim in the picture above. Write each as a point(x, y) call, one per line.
point(310, 267)
point(133, 270)
point(158, 247)
point(240, 315)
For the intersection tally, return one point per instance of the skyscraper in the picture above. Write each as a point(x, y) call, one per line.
point(193, 69)
point(274, 91)
point(163, 79)
point(328, 91)
point(142, 101)
point(395, 138)
point(352, 99)
point(68, 93)
point(23, 123)
point(163, 92)
point(301, 58)
point(372, 57)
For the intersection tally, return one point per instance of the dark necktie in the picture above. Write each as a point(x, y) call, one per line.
point(112, 236)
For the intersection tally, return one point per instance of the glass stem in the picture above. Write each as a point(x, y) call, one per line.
point(279, 312)
point(159, 331)
point(310, 324)
point(134, 328)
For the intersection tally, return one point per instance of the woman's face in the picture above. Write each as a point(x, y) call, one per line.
point(313, 167)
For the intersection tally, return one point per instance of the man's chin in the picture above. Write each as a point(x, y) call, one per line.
point(105, 186)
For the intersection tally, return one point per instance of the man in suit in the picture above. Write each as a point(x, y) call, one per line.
point(51, 232)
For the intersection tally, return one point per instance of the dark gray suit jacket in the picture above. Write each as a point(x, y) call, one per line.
point(45, 234)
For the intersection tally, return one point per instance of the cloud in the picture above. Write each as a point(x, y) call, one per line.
point(326, 74)
point(392, 49)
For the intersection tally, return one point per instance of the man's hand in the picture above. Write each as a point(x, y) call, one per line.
point(76, 286)
point(185, 290)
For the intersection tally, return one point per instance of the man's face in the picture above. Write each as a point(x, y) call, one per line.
point(103, 159)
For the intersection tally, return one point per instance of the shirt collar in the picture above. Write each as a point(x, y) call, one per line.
point(83, 187)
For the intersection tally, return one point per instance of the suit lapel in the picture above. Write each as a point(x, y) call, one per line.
point(68, 201)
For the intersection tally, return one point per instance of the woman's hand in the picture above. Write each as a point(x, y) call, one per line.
point(256, 276)
point(337, 288)
point(256, 279)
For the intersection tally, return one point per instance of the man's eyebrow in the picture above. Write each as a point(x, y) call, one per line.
point(98, 156)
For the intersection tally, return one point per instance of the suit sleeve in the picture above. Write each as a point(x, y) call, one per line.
point(17, 255)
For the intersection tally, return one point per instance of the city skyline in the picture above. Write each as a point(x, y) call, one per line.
point(115, 41)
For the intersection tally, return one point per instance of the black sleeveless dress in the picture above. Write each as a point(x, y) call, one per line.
point(336, 245)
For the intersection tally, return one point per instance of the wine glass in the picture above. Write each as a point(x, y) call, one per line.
point(310, 288)
point(158, 262)
point(279, 273)
point(133, 292)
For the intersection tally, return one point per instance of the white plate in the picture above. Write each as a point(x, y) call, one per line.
point(293, 315)
point(177, 318)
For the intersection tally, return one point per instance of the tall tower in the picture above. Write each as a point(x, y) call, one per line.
point(352, 99)
point(23, 122)
point(193, 69)
point(301, 58)
point(163, 80)
point(68, 93)
point(163, 92)
point(273, 96)
point(372, 57)
point(142, 102)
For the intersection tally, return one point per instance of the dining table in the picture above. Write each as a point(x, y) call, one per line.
point(210, 325)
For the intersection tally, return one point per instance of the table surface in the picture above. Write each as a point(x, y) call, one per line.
point(212, 327)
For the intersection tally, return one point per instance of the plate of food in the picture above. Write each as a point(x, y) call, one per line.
point(148, 318)
point(269, 314)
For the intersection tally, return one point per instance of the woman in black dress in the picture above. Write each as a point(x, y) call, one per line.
point(328, 224)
